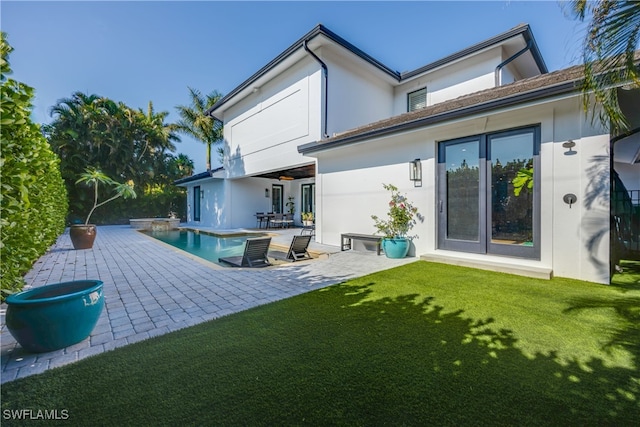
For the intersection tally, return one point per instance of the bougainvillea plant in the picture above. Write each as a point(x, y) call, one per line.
point(401, 217)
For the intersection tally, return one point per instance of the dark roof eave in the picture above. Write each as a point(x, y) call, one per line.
point(547, 92)
point(318, 30)
point(522, 29)
point(197, 177)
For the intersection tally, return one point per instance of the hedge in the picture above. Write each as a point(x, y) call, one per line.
point(34, 200)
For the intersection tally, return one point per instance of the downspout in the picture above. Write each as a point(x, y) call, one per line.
point(498, 72)
point(325, 73)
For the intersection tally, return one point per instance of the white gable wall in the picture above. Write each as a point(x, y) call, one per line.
point(454, 80)
point(356, 96)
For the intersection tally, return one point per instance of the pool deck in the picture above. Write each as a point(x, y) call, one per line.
point(152, 289)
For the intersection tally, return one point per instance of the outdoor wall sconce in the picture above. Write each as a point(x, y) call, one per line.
point(415, 172)
point(266, 192)
point(201, 194)
point(569, 144)
point(570, 199)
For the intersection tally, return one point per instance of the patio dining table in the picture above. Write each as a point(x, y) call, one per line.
point(269, 217)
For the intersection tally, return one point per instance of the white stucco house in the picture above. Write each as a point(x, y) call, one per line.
point(325, 125)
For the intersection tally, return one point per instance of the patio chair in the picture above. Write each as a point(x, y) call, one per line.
point(255, 254)
point(287, 220)
point(278, 220)
point(261, 218)
point(297, 250)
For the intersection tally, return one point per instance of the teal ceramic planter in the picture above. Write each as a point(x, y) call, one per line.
point(396, 248)
point(54, 316)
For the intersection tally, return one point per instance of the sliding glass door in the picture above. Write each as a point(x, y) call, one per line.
point(487, 193)
point(277, 198)
point(308, 198)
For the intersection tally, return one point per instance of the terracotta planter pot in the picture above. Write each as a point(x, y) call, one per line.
point(82, 236)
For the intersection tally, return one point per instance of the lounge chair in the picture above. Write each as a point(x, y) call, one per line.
point(297, 250)
point(255, 254)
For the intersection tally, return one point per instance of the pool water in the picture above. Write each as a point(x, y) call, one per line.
point(203, 245)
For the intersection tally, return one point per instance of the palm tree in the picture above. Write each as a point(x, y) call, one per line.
point(153, 140)
point(184, 165)
point(609, 54)
point(195, 123)
point(161, 135)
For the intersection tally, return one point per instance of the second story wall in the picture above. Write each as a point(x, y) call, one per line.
point(357, 94)
point(453, 80)
point(263, 131)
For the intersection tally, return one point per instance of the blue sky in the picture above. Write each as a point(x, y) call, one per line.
point(141, 51)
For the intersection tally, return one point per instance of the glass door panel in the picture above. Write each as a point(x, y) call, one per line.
point(308, 198)
point(461, 182)
point(512, 189)
point(196, 203)
point(276, 198)
point(463, 187)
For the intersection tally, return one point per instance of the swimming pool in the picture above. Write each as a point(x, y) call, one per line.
point(203, 245)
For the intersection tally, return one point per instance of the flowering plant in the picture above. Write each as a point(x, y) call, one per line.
point(401, 216)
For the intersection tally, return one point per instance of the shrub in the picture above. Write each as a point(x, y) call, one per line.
point(34, 199)
point(400, 218)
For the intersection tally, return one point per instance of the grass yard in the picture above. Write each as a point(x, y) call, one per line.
point(423, 344)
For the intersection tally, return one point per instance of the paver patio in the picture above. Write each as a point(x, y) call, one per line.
point(151, 289)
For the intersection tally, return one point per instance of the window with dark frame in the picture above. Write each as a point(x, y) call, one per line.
point(417, 99)
point(196, 203)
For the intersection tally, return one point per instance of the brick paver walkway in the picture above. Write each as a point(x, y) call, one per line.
point(151, 289)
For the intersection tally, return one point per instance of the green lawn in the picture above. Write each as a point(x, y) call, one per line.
point(423, 344)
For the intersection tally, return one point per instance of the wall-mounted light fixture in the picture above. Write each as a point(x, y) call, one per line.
point(201, 194)
point(266, 192)
point(569, 144)
point(415, 172)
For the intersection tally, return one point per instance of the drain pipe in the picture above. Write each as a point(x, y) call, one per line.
point(325, 72)
point(498, 72)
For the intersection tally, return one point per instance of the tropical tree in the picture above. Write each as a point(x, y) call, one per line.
point(609, 54)
point(155, 143)
point(183, 165)
point(196, 124)
point(126, 144)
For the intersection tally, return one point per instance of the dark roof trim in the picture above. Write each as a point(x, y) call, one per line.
point(318, 30)
point(197, 177)
point(522, 29)
point(519, 98)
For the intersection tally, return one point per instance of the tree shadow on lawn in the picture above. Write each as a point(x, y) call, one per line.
point(457, 370)
point(339, 357)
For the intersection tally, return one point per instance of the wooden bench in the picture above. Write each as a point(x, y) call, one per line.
point(347, 238)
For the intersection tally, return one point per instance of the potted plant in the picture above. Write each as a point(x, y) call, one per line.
point(291, 205)
point(307, 219)
point(400, 219)
point(83, 235)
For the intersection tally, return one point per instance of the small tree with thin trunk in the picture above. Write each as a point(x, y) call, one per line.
point(93, 177)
